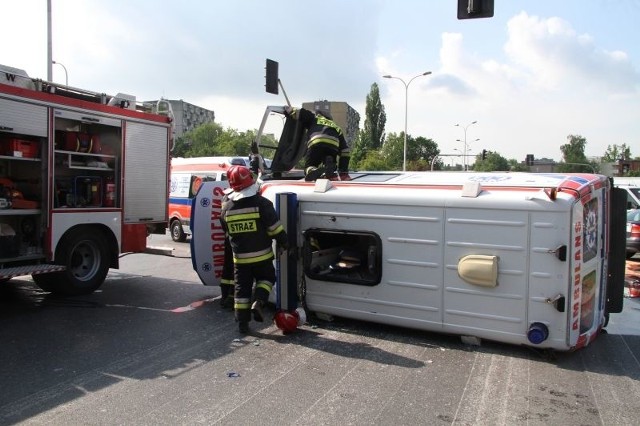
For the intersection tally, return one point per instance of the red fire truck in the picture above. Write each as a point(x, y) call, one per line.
point(83, 178)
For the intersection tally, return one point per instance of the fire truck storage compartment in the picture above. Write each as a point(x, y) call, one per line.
point(20, 235)
point(88, 150)
point(15, 147)
point(23, 177)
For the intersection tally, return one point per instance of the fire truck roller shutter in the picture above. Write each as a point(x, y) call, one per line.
point(85, 252)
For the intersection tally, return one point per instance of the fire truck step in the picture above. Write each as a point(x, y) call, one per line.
point(28, 270)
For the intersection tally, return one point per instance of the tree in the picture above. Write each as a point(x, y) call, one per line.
point(393, 150)
point(374, 160)
point(517, 166)
point(616, 152)
point(420, 152)
point(574, 157)
point(372, 136)
point(210, 139)
point(493, 162)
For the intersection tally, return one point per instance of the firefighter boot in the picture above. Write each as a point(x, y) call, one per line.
point(313, 173)
point(330, 164)
point(256, 308)
point(243, 327)
point(227, 302)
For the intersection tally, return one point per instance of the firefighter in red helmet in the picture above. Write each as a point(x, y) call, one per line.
point(251, 223)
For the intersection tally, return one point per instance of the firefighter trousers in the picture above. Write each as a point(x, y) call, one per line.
point(264, 275)
point(227, 280)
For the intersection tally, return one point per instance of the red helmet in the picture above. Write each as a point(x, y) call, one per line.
point(239, 177)
point(286, 321)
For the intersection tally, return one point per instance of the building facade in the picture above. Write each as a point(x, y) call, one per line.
point(343, 114)
point(187, 116)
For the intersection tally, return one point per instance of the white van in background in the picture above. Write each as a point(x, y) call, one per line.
point(632, 186)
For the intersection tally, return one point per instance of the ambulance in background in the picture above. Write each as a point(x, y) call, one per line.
point(631, 186)
point(187, 174)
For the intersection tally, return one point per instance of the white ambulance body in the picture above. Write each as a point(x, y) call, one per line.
point(512, 257)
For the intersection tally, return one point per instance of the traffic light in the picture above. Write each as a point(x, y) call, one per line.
point(529, 160)
point(470, 9)
point(272, 77)
point(484, 154)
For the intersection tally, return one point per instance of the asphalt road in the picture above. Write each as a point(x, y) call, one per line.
point(152, 347)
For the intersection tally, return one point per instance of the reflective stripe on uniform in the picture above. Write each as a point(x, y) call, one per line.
point(266, 285)
point(253, 257)
point(276, 228)
point(320, 138)
point(242, 303)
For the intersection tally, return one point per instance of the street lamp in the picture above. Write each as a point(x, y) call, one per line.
point(66, 75)
point(406, 107)
point(464, 163)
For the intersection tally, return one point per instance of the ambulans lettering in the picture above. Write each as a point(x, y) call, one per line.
point(10, 77)
point(577, 277)
point(217, 231)
point(242, 226)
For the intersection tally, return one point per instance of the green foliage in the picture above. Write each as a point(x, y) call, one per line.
point(393, 151)
point(517, 166)
point(420, 152)
point(374, 160)
point(575, 161)
point(492, 162)
point(617, 152)
point(372, 136)
point(210, 139)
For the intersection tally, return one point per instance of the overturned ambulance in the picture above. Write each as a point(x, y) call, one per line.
point(531, 259)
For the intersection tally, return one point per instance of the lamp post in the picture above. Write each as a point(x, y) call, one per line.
point(406, 108)
point(464, 160)
point(66, 75)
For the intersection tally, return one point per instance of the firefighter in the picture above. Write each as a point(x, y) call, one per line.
point(251, 223)
point(325, 142)
point(256, 161)
point(227, 281)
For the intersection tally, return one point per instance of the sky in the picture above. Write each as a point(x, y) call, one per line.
point(530, 76)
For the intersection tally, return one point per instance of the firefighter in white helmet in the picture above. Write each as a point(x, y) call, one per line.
point(251, 222)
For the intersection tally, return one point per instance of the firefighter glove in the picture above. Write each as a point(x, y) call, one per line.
point(282, 247)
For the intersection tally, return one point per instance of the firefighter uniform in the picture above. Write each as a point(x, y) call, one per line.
point(252, 223)
point(227, 281)
point(324, 139)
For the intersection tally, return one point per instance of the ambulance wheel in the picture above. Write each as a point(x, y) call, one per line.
point(86, 257)
point(177, 234)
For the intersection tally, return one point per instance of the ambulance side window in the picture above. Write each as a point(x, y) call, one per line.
point(352, 257)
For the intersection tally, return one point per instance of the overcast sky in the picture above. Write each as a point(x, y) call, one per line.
point(530, 76)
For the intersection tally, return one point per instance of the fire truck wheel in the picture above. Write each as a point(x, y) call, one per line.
point(86, 257)
point(177, 234)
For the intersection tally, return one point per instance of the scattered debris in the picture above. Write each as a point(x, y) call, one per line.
point(470, 340)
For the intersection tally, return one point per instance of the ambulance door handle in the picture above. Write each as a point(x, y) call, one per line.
point(557, 302)
point(560, 252)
